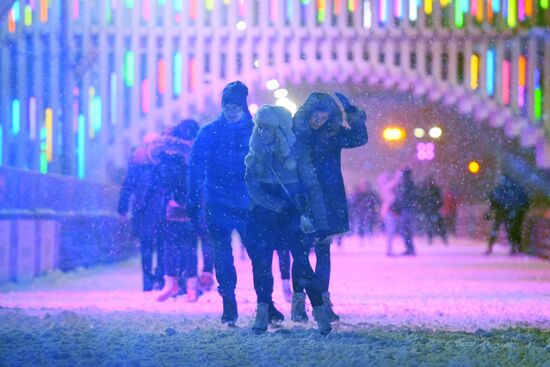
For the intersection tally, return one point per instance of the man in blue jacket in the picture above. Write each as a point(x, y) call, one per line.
point(216, 170)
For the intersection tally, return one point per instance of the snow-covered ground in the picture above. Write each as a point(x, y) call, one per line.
point(450, 305)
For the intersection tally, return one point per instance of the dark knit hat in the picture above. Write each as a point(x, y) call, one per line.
point(235, 93)
point(186, 130)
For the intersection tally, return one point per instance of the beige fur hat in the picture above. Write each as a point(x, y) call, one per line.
point(281, 119)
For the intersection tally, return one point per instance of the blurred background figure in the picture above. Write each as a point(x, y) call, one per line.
point(405, 205)
point(365, 207)
point(508, 204)
point(171, 153)
point(135, 192)
point(430, 202)
point(387, 183)
point(449, 209)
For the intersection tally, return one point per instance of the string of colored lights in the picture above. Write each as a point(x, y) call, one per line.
point(522, 76)
point(474, 71)
point(490, 69)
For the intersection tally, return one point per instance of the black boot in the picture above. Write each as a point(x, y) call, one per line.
point(275, 316)
point(230, 313)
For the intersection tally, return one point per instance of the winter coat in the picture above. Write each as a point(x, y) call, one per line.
point(135, 193)
point(169, 187)
point(406, 197)
point(430, 199)
point(216, 166)
point(325, 147)
point(285, 162)
point(508, 198)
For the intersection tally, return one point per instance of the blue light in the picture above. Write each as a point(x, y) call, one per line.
point(490, 72)
point(97, 113)
point(15, 116)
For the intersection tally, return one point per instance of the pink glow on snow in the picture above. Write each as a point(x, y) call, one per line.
point(452, 287)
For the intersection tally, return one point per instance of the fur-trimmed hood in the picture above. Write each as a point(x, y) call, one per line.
point(318, 102)
point(169, 145)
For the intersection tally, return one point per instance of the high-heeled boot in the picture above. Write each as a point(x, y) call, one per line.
point(170, 288)
point(192, 289)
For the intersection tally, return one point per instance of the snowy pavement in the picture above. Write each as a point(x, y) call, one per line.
point(421, 310)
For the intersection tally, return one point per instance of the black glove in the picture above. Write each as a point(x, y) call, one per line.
point(344, 100)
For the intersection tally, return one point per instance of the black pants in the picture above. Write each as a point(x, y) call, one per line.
point(284, 261)
point(264, 230)
point(322, 267)
point(180, 250)
point(207, 253)
point(148, 245)
point(512, 222)
point(221, 222)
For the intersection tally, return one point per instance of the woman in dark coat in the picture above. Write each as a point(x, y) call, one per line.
point(319, 124)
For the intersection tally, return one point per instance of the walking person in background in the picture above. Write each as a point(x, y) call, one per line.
point(171, 152)
point(405, 205)
point(387, 183)
point(430, 203)
point(280, 179)
point(216, 173)
point(508, 204)
point(319, 124)
point(135, 192)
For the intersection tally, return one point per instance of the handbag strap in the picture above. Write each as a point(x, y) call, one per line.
point(294, 202)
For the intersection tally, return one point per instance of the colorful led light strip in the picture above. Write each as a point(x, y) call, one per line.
point(32, 118)
point(367, 14)
point(43, 11)
point(161, 77)
point(490, 14)
point(242, 8)
point(11, 22)
point(506, 82)
point(321, 10)
point(43, 154)
point(428, 7)
point(398, 8)
point(76, 9)
point(479, 12)
point(521, 10)
point(28, 15)
point(145, 96)
point(383, 11)
point(413, 10)
point(528, 8)
point(193, 10)
point(178, 6)
point(129, 4)
point(288, 10)
point(473, 7)
point(108, 12)
point(97, 108)
point(209, 5)
point(337, 5)
point(522, 76)
point(81, 146)
point(16, 8)
point(48, 125)
point(459, 15)
point(512, 13)
point(129, 69)
point(351, 6)
point(15, 116)
point(496, 6)
point(490, 66)
point(465, 5)
point(274, 10)
point(474, 71)
point(178, 74)
point(537, 96)
point(544, 4)
point(145, 9)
